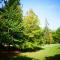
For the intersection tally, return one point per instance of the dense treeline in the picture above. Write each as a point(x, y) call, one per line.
point(23, 31)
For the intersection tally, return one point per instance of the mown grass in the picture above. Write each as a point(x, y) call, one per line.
point(48, 51)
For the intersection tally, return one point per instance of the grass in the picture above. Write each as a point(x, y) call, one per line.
point(49, 52)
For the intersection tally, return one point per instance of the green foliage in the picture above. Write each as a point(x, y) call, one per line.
point(47, 35)
point(31, 25)
point(58, 35)
point(5, 37)
point(10, 21)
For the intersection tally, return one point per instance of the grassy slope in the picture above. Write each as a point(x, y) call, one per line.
point(49, 50)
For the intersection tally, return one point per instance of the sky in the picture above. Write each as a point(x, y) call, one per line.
point(49, 9)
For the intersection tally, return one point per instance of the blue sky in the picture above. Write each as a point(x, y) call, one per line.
point(49, 9)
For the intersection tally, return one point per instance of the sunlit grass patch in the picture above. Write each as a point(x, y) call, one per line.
point(49, 50)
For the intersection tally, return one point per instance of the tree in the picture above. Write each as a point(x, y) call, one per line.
point(47, 34)
point(31, 27)
point(10, 21)
point(57, 35)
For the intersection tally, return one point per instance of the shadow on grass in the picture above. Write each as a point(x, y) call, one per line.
point(16, 58)
point(11, 53)
point(56, 57)
point(32, 50)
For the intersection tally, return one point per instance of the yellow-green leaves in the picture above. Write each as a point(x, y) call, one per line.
point(30, 23)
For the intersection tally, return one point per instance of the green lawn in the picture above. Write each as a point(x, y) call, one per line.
point(49, 52)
